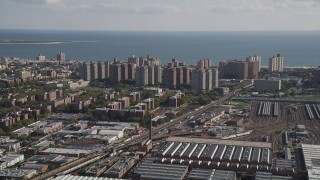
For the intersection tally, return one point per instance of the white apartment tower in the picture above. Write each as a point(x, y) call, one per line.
point(276, 63)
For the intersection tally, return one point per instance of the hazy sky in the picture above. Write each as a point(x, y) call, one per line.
point(188, 15)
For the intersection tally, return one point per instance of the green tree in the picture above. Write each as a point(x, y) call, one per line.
point(2, 133)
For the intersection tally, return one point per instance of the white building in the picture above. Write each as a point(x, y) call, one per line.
point(10, 160)
point(276, 63)
point(107, 132)
point(311, 155)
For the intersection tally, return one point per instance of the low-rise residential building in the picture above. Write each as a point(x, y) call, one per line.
point(50, 128)
point(114, 105)
point(10, 145)
point(135, 96)
point(22, 131)
point(125, 102)
point(150, 103)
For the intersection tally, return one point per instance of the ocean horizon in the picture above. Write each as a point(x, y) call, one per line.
point(299, 48)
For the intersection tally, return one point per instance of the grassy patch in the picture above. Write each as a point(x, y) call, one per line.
point(238, 103)
point(309, 97)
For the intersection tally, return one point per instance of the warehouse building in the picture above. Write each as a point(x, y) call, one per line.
point(149, 170)
point(214, 152)
point(205, 174)
point(311, 154)
point(71, 177)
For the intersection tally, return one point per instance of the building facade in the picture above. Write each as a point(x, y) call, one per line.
point(253, 66)
point(233, 69)
point(267, 85)
point(61, 57)
point(276, 63)
point(101, 71)
point(175, 74)
point(84, 71)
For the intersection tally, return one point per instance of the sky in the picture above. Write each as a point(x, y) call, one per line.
point(161, 15)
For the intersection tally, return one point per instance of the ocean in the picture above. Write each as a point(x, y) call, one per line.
point(299, 48)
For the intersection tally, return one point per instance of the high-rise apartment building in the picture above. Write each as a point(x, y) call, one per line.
point(170, 77)
point(198, 79)
point(204, 63)
point(84, 71)
point(148, 75)
point(253, 66)
point(93, 71)
point(134, 60)
point(142, 75)
point(101, 70)
point(107, 68)
point(157, 74)
point(176, 74)
point(204, 78)
point(115, 72)
point(151, 75)
point(132, 71)
point(276, 63)
point(233, 69)
point(215, 77)
point(144, 61)
point(61, 57)
point(41, 57)
point(122, 71)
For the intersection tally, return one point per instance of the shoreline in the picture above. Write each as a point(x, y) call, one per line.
point(22, 43)
point(38, 42)
point(31, 42)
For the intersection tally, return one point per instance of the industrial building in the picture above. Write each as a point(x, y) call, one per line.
point(216, 150)
point(311, 154)
point(150, 170)
point(71, 177)
point(17, 173)
point(199, 158)
point(66, 152)
point(205, 174)
point(267, 85)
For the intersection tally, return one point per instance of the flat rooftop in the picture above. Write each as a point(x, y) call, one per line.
point(219, 141)
point(71, 177)
point(66, 151)
point(311, 155)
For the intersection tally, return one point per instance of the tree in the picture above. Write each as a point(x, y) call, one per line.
point(2, 133)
